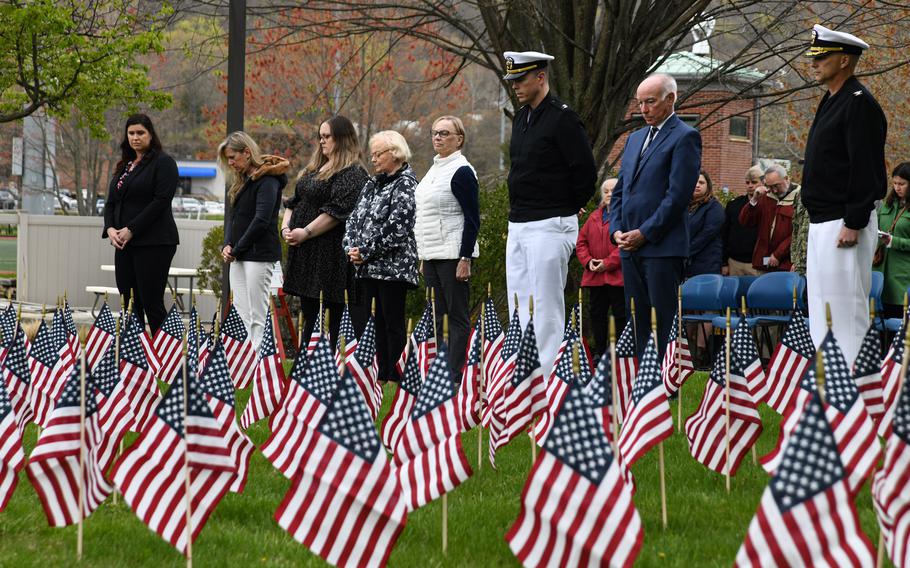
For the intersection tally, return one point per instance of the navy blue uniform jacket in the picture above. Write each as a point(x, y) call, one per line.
point(653, 193)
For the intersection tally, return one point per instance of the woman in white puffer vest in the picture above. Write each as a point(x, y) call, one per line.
point(448, 220)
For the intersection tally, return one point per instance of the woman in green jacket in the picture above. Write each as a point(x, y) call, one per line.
point(894, 235)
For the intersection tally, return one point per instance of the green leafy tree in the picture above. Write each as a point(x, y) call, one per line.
point(79, 54)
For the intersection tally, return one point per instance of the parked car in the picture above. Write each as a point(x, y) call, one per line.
point(214, 208)
point(7, 200)
point(185, 204)
point(99, 206)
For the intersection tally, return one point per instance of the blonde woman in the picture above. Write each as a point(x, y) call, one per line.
point(313, 226)
point(379, 241)
point(251, 244)
point(448, 220)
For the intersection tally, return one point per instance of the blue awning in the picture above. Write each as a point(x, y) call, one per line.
point(196, 172)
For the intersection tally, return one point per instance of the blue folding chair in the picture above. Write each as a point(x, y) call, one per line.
point(702, 300)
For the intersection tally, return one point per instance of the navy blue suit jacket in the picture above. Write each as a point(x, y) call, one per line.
point(653, 192)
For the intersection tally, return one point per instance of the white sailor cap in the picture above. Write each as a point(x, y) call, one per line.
point(520, 62)
point(825, 41)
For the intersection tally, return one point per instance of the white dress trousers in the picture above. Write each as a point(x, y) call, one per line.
point(250, 285)
point(537, 263)
point(841, 278)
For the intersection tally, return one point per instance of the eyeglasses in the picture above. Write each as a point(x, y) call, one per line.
point(376, 155)
point(324, 136)
point(440, 133)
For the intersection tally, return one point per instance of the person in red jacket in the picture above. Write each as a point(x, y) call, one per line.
point(771, 210)
point(603, 274)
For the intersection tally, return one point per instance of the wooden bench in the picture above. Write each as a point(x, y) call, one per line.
point(102, 291)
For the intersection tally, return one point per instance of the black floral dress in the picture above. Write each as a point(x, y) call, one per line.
point(320, 264)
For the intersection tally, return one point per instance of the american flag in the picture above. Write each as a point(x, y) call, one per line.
point(890, 491)
point(524, 397)
point(150, 475)
point(469, 387)
point(854, 430)
point(215, 384)
point(562, 376)
point(43, 358)
point(53, 466)
point(17, 377)
point(806, 516)
point(205, 341)
point(675, 372)
point(425, 339)
point(403, 401)
point(72, 335)
point(492, 353)
point(168, 345)
point(746, 354)
point(789, 362)
point(151, 356)
point(648, 419)
point(138, 380)
point(364, 366)
point(115, 413)
point(345, 503)
point(269, 381)
point(499, 375)
point(311, 386)
point(867, 373)
point(429, 457)
point(99, 336)
point(316, 334)
point(194, 339)
point(599, 392)
point(626, 368)
point(707, 431)
point(891, 378)
point(8, 322)
point(241, 356)
point(346, 330)
point(11, 455)
point(576, 509)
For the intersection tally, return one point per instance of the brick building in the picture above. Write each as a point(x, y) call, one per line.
point(729, 130)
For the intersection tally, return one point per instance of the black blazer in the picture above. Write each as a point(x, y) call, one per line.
point(143, 203)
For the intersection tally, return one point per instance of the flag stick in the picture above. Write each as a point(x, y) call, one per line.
point(79, 530)
point(481, 380)
point(299, 332)
point(581, 311)
point(186, 468)
point(660, 447)
point(880, 557)
point(531, 427)
point(613, 382)
point(445, 496)
point(679, 420)
point(727, 402)
point(433, 307)
point(743, 315)
point(117, 366)
point(634, 322)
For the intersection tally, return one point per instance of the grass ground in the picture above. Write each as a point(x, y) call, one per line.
point(7, 256)
point(706, 525)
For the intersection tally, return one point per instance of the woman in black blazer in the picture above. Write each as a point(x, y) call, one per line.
point(138, 219)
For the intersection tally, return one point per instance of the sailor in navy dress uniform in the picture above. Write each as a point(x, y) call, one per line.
point(552, 176)
point(844, 176)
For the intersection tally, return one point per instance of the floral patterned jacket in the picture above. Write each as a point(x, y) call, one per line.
point(382, 226)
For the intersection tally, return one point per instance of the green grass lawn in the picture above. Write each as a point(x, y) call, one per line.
point(706, 525)
point(8, 256)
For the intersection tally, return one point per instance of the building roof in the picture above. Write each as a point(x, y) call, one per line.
point(687, 66)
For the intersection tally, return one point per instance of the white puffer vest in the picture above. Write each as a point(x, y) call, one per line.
point(440, 219)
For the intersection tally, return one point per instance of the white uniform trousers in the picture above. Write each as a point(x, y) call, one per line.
point(841, 278)
point(250, 286)
point(537, 263)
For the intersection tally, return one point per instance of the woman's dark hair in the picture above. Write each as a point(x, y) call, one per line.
point(902, 171)
point(126, 151)
point(707, 179)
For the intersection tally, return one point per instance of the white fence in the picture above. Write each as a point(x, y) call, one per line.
point(57, 253)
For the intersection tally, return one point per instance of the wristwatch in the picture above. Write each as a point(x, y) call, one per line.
point(465, 259)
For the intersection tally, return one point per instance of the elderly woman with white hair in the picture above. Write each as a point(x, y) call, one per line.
point(379, 240)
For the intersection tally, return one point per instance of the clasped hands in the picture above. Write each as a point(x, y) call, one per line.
point(119, 237)
point(355, 256)
point(630, 240)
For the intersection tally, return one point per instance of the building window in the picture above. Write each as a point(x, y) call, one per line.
point(739, 126)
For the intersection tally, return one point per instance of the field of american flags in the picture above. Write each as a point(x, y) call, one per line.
point(706, 526)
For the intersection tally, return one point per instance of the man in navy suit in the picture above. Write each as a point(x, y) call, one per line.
point(660, 166)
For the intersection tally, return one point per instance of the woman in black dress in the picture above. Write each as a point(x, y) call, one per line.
point(326, 193)
point(139, 222)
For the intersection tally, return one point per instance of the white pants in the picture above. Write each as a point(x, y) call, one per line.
point(841, 278)
point(250, 285)
point(537, 263)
